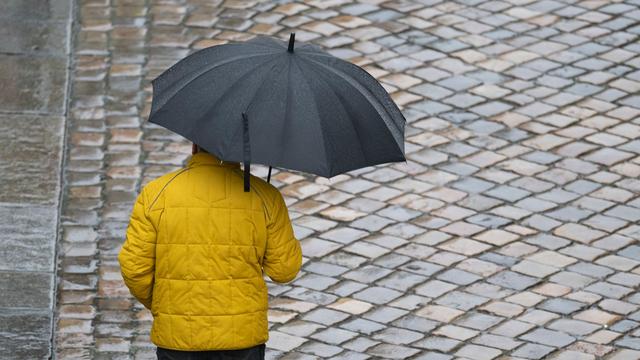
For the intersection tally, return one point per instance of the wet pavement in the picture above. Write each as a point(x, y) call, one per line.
point(511, 232)
point(34, 76)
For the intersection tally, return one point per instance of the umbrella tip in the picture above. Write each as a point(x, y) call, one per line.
point(292, 39)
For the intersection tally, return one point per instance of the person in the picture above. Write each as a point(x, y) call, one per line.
point(196, 248)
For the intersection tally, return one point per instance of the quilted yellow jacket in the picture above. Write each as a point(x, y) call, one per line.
point(196, 249)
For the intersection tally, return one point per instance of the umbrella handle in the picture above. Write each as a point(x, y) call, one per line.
point(246, 153)
point(269, 176)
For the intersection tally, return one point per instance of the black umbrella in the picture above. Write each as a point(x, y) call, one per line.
point(261, 101)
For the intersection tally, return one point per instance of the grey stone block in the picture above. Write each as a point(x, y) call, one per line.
point(27, 238)
point(32, 84)
point(26, 289)
point(24, 334)
point(29, 157)
point(32, 37)
point(36, 9)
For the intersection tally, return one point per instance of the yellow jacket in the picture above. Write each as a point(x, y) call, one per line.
point(196, 249)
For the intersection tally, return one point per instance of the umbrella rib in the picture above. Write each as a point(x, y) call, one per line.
point(266, 39)
point(287, 105)
point(287, 108)
point(315, 104)
point(361, 89)
point(364, 155)
point(224, 95)
point(346, 76)
point(206, 70)
point(391, 126)
point(255, 94)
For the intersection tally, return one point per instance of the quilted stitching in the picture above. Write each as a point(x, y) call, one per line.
point(196, 257)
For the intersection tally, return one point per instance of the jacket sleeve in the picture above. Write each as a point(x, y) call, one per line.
point(137, 257)
point(283, 255)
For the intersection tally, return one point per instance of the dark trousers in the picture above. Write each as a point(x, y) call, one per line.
point(252, 353)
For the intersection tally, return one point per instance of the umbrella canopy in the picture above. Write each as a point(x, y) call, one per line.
point(265, 102)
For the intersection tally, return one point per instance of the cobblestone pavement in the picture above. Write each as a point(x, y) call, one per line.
point(511, 232)
point(34, 54)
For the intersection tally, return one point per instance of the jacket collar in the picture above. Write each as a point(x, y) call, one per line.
point(203, 158)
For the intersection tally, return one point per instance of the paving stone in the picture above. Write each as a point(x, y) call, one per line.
point(489, 221)
point(363, 326)
point(602, 337)
point(34, 293)
point(360, 344)
point(573, 327)
point(399, 213)
point(367, 273)
point(345, 259)
point(534, 269)
point(377, 295)
point(624, 212)
point(617, 262)
point(478, 321)
point(326, 316)
point(392, 260)
point(461, 300)
point(314, 247)
point(371, 223)
point(624, 326)
point(415, 323)
point(548, 242)
point(478, 352)
point(30, 330)
point(40, 37)
point(22, 74)
point(402, 281)
point(323, 268)
point(596, 316)
point(512, 280)
point(300, 328)
point(571, 279)
point(410, 302)
point(334, 336)
point(500, 342)
point(284, 342)
point(397, 336)
point(392, 351)
point(606, 289)
point(499, 259)
point(434, 288)
point(630, 342)
point(458, 277)
point(503, 308)
point(346, 288)
point(27, 238)
point(532, 351)
point(561, 306)
point(385, 314)
point(312, 296)
point(463, 245)
point(548, 337)
point(30, 142)
point(512, 328)
point(439, 343)
point(320, 349)
point(521, 127)
point(430, 355)
point(625, 279)
point(439, 313)
point(315, 282)
point(422, 267)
